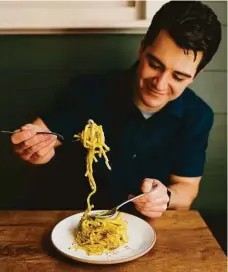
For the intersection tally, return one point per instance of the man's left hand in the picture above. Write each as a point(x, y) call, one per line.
point(154, 203)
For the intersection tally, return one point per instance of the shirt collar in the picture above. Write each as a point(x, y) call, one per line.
point(175, 107)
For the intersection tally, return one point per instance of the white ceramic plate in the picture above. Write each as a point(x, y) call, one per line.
point(141, 235)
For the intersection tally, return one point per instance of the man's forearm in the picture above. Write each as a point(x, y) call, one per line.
point(182, 195)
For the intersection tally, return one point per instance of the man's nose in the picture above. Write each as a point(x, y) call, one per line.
point(161, 82)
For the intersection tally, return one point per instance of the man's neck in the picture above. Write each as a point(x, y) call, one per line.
point(141, 106)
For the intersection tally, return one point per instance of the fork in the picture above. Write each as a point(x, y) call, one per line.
point(113, 211)
point(59, 136)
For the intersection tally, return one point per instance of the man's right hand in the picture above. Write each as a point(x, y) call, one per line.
point(32, 147)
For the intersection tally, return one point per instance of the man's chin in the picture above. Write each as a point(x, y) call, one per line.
point(156, 105)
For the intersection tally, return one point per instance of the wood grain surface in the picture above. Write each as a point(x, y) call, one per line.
point(184, 244)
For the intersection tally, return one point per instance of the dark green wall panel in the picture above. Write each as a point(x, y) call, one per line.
point(76, 52)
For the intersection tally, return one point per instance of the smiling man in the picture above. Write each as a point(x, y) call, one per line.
point(157, 128)
point(164, 71)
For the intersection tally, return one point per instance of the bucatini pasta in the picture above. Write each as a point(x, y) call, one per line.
point(96, 235)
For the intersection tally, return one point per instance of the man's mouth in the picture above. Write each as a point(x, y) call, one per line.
point(153, 91)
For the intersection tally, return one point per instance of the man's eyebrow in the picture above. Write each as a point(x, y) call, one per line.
point(182, 74)
point(153, 58)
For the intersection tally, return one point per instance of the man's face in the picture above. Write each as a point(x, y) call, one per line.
point(164, 71)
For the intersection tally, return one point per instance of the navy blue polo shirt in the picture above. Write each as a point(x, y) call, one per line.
point(171, 141)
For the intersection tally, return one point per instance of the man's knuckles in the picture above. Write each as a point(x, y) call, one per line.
point(146, 185)
point(151, 214)
point(35, 158)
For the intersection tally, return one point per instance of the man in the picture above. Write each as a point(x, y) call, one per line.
point(156, 127)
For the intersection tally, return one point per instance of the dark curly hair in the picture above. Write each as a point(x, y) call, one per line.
point(191, 24)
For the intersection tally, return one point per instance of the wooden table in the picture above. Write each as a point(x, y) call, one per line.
point(184, 244)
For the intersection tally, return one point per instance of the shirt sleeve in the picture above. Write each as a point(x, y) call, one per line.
point(190, 155)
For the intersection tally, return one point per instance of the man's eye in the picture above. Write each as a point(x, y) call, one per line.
point(153, 65)
point(178, 78)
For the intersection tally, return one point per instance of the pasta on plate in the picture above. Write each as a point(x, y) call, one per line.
point(94, 235)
